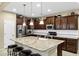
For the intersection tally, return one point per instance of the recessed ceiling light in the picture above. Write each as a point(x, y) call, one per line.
point(38, 5)
point(33, 14)
point(49, 10)
point(14, 10)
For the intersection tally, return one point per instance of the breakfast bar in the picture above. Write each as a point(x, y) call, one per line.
point(43, 46)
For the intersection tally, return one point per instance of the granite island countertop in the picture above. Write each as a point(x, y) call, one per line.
point(41, 44)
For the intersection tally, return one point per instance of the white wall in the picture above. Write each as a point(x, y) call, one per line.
point(1, 31)
point(6, 16)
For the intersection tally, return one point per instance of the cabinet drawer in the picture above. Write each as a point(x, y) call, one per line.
point(71, 48)
point(71, 41)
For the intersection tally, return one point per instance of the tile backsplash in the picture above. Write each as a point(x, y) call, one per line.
point(59, 32)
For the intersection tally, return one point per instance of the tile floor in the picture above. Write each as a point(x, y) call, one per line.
point(3, 52)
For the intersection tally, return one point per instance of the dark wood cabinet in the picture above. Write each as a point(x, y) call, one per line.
point(63, 24)
point(47, 21)
point(50, 20)
point(36, 24)
point(72, 22)
point(63, 44)
point(70, 45)
point(19, 21)
point(28, 22)
point(58, 23)
point(66, 22)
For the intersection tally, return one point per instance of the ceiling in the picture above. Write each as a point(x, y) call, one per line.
point(0, 3)
point(47, 8)
point(3, 5)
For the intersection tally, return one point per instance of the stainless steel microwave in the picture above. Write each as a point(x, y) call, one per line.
point(49, 26)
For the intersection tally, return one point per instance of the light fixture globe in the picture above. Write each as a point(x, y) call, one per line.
point(41, 21)
point(31, 22)
point(24, 24)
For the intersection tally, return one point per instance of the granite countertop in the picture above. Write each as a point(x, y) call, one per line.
point(63, 36)
point(41, 44)
point(68, 36)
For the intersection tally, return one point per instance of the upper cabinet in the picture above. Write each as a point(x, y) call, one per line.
point(36, 24)
point(59, 22)
point(19, 21)
point(66, 22)
point(63, 23)
point(72, 22)
point(49, 20)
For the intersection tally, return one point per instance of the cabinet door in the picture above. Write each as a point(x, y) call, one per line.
point(72, 22)
point(36, 24)
point(19, 21)
point(28, 22)
point(50, 20)
point(64, 23)
point(57, 23)
point(47, 20)
point(72, 45)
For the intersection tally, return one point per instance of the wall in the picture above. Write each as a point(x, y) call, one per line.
point(1, 31)
point(6, 16)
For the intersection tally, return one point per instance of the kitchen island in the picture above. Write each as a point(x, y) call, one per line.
point(43, 46)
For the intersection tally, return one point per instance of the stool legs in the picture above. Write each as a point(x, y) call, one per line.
point(9, 52)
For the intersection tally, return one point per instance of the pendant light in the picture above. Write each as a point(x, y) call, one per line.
point(41, 19)
point(31, 22)
point(24, 22)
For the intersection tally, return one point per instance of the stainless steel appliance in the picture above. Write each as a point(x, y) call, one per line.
point(19, 31)
point(49, 26)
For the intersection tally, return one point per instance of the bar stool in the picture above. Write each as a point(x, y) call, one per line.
point(35, 54)
point(25, 53)
point(17, 50)
point(10, 49)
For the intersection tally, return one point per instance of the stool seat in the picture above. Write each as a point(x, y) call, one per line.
point(25, 52)
point(35, 54)
point(10, 49)
point(18, 49)
point(12, 46)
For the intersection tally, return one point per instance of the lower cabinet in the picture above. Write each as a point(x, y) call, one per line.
point(70, 45)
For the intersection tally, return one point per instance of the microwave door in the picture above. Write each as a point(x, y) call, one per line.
point(49, 27)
